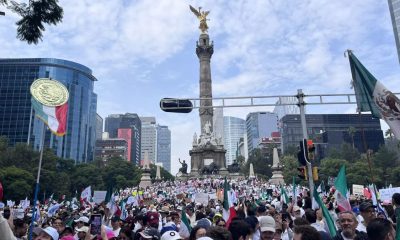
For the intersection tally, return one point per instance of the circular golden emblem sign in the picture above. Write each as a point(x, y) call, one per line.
point(49, 92)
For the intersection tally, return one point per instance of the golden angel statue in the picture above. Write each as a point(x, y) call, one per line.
point(202, 16)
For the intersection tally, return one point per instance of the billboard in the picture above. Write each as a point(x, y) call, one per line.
point(126, 133)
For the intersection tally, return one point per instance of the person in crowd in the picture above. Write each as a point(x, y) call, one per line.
point(170, 235)
point(58, 224)
point(311, 217)
point(306, 232)
point(150, 233)
point(48, 233)
point(348, 225)
point(267, 227)
point(197, 232)
point(81, 232)
point(218, 233)
point(381, 229)
point(220, 222)
point(367, 211)
point(239, 229)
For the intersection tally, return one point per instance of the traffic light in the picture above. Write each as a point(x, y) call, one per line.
point(302, 155)
point(311, 149)
point(176, 105)
point(302, 172)
point(315, 173)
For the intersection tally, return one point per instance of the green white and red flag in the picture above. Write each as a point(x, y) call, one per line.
point(54, 117)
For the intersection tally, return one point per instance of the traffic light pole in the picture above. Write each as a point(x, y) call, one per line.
point(300, 96)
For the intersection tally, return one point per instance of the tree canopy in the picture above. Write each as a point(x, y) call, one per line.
point(19, 165)
point(34, 16)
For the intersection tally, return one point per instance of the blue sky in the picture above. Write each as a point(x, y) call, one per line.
point(142, 51)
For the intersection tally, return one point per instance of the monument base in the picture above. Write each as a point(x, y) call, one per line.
point(277, 178)
point(145, 181)
point(204, 157)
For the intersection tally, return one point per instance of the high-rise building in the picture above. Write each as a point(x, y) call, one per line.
point(218, 123)
point(17, 121)
point(99, 127)
point(260, 125)
point(126, 126)
point(332, 130)
point(234, 128)
point(164, 147)
point(149, 138)
point(281, 111)
point(394, 8)
point(111, 147)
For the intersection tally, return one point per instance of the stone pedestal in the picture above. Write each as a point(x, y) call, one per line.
point(145, 181)
point(204, 156)
point(277, 177)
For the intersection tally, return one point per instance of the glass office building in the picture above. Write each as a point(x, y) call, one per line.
point(332, 130)
point(234, 129)
point(260, 125)
point(16, 123)
point(164, 147)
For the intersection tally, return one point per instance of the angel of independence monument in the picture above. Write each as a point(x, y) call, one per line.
point(208, 153)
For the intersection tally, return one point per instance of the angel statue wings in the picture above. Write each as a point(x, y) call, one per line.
point(202, 16)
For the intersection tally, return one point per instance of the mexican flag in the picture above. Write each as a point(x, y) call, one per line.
point(54, 117)
point(328, 218)
point(228, 211)
point(185, 229)
point(372, 96)
point(341, 190)
point(284, 196)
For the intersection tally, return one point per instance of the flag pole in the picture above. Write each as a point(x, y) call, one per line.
point(37, 180)
point(30, 128)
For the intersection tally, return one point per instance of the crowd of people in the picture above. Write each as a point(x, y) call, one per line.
point(170, 211)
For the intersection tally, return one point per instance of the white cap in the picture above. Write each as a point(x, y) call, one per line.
point(52, 232)
point(267, 223)
point(82, 229)
point(82, 219)
point(171, 235)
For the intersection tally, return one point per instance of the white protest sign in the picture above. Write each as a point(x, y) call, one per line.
point(358, 189)
point(201, 198)
point(99, 196)
point(1, 205)
point(386, 194)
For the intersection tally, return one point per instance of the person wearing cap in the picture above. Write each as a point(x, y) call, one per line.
point(171, 235)
point(267, 227)
point(367, 211)
point(81, 221)
point(48, 233)
point(81, 232)
point(153, 219)
point(149, 233)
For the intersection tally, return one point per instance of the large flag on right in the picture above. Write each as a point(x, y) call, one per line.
point(372, 96)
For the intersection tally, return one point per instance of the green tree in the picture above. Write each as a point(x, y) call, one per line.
point(330, 167)
point(165, 175)
point(290, 165)
point(33, 17)
point(352, 131)
point(17, 183)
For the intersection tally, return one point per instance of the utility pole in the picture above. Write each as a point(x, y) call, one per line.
point(300, 96)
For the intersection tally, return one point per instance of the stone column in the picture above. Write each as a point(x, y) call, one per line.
point(204, 51)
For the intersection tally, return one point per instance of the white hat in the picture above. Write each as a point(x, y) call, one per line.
point(171, 235)
point(82, 219)
point(52, 232)
point(267, 223)
point(82, 229)
point(296, 208)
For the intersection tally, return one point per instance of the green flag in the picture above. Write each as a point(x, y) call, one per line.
point(284, 196)
point(341, 190)
point(372, 96)
point(328, 218)
point(294, 191)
